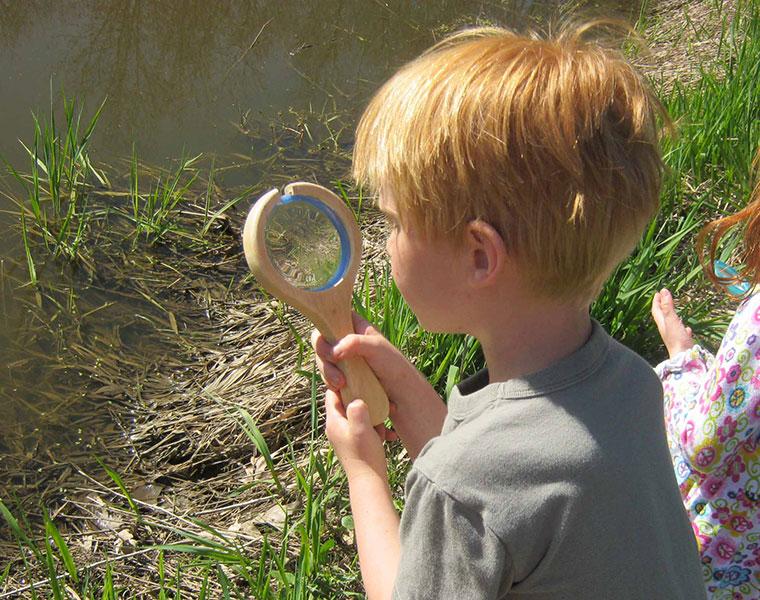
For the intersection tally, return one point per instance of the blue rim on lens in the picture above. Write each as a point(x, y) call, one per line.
point(345, 243)
point(725, 271)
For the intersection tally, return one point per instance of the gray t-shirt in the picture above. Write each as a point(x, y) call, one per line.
point(555, 486)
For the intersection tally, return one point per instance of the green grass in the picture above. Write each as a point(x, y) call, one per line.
point(708, 173)
point(57, 184)
point(154, 213)
point(66, 206)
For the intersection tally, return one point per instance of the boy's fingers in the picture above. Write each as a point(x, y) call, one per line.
point(362, 326)
point(322, 348)
point(331, 374)
point(366, 346)
point(357, 414)
point(334, 406)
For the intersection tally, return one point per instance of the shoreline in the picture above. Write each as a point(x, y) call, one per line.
point(180, 445)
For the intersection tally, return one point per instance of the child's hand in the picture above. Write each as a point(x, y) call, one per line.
point(674, 334)
point(383, 358)
point(416, 410)
point(359, 446)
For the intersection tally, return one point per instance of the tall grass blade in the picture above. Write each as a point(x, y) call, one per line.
point(15, 527)
point(63, 549)
point(253, 433)
point(28, 251)
point(116, 478)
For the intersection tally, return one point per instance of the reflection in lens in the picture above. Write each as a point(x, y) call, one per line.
point(303, 244)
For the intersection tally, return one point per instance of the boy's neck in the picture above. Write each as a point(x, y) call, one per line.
point(519, 342)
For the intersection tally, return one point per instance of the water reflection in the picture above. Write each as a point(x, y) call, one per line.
point(177, 73)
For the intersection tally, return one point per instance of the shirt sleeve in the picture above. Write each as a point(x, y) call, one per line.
point(447, 551)
point(711, 403)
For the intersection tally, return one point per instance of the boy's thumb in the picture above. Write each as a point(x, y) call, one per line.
point(355, 344)
point(357, 414)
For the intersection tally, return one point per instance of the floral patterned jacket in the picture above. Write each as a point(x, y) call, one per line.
point(712, 414)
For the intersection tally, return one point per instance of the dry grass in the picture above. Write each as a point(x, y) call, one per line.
point(152, 384)
point(164, 370)
point(684, 35)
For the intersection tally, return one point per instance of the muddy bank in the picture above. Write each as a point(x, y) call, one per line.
point(159, 387)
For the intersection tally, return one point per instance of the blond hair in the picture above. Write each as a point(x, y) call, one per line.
point(552, 141)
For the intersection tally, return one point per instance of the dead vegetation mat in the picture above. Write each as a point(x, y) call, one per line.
point(155, 362)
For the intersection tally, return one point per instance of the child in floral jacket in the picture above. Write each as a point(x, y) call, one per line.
point(712, 413)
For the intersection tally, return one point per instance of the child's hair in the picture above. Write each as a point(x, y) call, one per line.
point(749, 219)
point(553, 141)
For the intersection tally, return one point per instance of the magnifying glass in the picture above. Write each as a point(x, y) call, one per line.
point(304, 247)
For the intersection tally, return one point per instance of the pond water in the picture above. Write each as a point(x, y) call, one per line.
point(190, 77)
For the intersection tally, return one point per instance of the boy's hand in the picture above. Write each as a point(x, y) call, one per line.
point(382, 356)
point(359, 446)
point(416, 410)
point(376, 522)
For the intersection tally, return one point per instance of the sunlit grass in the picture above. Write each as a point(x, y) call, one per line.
point(708, 173)
point(60, 175)
point(154, 213)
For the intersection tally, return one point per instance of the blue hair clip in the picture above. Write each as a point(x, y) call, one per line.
point(724, 271)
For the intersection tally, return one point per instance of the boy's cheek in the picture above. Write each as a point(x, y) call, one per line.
point(390, 244)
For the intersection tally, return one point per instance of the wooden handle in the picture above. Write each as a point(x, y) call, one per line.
point(361, 382)
point(329, 309)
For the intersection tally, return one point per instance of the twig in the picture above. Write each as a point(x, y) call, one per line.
point(242, 56)
point(36, 584)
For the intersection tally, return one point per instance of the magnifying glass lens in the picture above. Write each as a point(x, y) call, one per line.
point(307, 243)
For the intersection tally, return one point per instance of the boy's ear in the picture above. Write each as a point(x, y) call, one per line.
point(487, 253)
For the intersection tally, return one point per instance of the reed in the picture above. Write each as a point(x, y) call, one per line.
point(200, 415)
point(59, 180)
point(154, 214)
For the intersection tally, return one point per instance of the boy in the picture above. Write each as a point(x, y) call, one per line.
point(516, 174)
